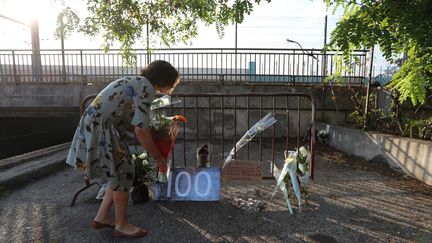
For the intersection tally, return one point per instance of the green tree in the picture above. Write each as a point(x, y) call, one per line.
point(170, 21)
point(401, 28)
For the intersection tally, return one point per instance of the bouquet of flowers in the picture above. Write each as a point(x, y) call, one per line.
point(164, 132)
point(303, 160)
point(323, 136)
point(294, 174)
point(144, 165)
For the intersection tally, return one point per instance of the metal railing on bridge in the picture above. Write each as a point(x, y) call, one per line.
point(261, 66)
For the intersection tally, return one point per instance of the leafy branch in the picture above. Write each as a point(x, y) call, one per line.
point(169, 21)
point(398, 27)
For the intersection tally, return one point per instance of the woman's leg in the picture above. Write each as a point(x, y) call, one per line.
point(121, 218)
point(121, 182)
point(104, 214)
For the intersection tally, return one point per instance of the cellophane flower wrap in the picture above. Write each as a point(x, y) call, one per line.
point(164, 132)
point(294, 175)
point(258, 127)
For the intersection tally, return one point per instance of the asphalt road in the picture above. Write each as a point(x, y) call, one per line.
point(349, 201)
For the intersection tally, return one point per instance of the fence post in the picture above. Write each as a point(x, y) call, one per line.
point(14, 67)
point(221, 75)
point(82, 66)
point(62, 49)
point(63, 66)
point(1, 68)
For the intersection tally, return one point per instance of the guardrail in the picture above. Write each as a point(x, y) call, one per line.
point(293, 66)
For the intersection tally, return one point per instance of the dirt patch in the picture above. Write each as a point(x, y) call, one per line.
point(333, 158)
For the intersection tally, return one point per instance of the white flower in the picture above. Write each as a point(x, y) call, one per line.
point(323, 134)
point(145, 162)
point(303, 151)
point(134, 157)
point(143, 155)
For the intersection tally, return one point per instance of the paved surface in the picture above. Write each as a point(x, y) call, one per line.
point(350, 201)
point(20, 169)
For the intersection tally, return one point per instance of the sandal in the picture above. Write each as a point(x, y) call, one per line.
point(96, 225)
point(140, 233)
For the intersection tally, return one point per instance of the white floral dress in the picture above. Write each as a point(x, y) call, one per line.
point(99, 147)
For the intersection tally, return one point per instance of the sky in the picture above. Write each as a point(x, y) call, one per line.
point(268, 26)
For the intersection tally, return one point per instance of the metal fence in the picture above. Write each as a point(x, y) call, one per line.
point(220, 120)
point(293, 66)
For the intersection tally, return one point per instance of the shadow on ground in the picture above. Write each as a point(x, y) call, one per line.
point(350, 200)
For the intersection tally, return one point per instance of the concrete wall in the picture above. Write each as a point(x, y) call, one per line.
point(50, 95)
point(24, 134)
point(70, 95)
point(29, 113)
point(411, 156)
point(60, 102)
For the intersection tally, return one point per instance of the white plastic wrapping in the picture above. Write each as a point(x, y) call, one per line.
point(163, 101)
point(260, 126)
point(279, 175)
point(290, 169)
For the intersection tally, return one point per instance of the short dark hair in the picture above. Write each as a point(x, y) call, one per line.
point(161, 73)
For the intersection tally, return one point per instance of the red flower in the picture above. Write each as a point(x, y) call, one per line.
point(165, 141)
point(180, 118)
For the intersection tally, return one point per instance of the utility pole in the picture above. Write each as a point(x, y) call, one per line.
point(62, 49)
point(148, 41)
point(36, 57)
point(235, 46)
point(365, 121)
point(235, 39)
point(324, 67)
point(235, 43)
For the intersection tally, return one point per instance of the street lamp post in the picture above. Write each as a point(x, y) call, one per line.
point(301, 48)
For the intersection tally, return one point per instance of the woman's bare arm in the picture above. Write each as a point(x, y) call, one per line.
point(145, 138)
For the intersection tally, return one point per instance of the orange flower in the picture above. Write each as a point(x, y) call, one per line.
point(180, 118)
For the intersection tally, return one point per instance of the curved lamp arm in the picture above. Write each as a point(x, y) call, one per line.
point(301, 48)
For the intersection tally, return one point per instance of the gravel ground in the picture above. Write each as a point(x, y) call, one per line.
point(350, 200)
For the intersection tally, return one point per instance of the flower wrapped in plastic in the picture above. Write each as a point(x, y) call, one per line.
point(294, 174)
point(163, 101)
point(323, 136)
point(164, 132)
point(260, 126)
point(303, 158)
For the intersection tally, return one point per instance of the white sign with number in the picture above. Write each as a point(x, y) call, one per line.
point(190, 184)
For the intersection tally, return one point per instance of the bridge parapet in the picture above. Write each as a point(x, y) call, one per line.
point(210, 65)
